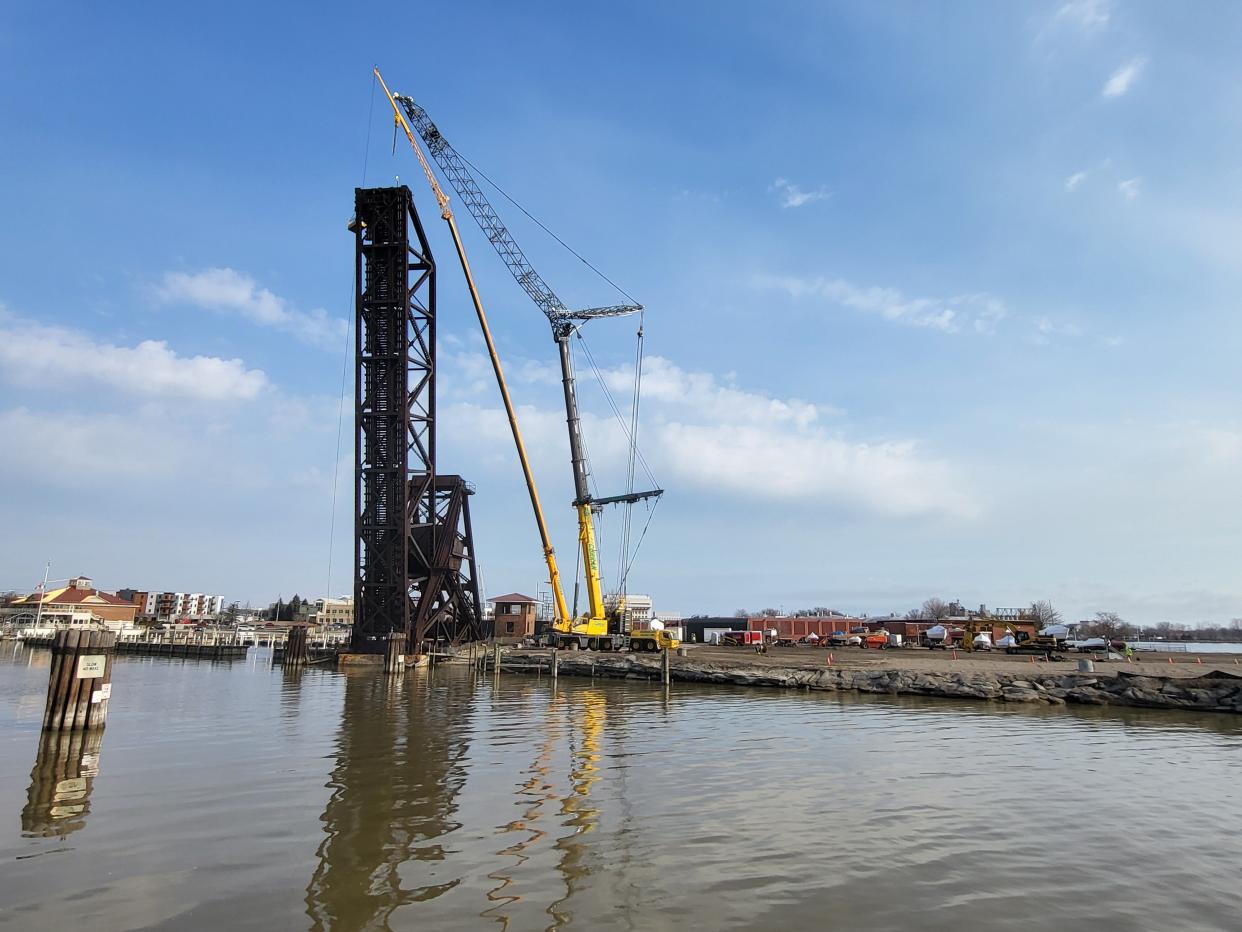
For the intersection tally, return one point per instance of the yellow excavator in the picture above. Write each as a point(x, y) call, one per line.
point(596, 629)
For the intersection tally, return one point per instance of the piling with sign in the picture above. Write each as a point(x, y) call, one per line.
point(80, 682)
point(394, 656)
point(295, 647)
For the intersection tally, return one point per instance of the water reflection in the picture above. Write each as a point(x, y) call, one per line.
point(560, 817)
point(588, 708)
point(533, 793)
point(59, 797)
point(290, 693)
point(399, 768)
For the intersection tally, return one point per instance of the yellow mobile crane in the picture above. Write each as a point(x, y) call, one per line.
point(592, 630)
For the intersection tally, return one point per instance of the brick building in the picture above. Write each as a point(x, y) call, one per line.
point(514, 616)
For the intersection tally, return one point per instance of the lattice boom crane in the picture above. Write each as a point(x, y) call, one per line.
point(592, 629)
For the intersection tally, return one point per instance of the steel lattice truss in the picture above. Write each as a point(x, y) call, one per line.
point(458, 174)
point(414, 556)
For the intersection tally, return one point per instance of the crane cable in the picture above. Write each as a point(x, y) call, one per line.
point(613, 405)
point(643, 536)
point(626, 559)
point(501, 191)
point(349, 332)
point(624, 549)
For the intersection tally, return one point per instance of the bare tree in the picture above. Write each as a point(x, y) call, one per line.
point(1044, 613)
point(935, 609)
point(914, 614)
point(770, 613)
point(1110, 625)
point(741, 613)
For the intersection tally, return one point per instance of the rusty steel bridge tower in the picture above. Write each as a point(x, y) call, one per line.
point(414, 566)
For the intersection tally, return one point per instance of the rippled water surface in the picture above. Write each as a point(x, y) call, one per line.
point(231, 795)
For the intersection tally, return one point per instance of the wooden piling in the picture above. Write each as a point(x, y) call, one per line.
point(496, 657)
point(394, 656)
point(556, 662)
point(295, 647)
point(80, 681)
point(665, 674)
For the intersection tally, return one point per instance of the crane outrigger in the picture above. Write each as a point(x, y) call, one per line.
point(592, 629)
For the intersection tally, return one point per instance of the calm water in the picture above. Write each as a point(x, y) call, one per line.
point(1192, 647)
point(233, 796)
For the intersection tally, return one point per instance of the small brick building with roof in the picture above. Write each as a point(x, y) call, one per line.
point(514, 616)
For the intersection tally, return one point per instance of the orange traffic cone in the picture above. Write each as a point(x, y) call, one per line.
point(1170, 660)
point(955, 655)
point(1198, 660)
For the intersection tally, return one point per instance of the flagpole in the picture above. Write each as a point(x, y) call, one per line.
point(42, 595)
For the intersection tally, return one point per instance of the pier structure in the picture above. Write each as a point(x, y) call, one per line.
point(414, 564)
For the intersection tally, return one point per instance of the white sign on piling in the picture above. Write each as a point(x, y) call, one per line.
point(91, 666)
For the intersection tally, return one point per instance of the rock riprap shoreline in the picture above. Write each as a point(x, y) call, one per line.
point(1214, 691)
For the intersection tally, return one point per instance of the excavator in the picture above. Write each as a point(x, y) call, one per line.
point(597, 628)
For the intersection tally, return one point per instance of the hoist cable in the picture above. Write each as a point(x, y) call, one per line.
point(501, 191)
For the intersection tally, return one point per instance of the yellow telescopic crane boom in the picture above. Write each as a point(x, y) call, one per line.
point(554, 577)
point(594, 626)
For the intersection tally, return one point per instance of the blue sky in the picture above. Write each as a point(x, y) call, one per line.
point(942, 297)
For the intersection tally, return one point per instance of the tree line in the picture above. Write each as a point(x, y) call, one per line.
point(1042, 612)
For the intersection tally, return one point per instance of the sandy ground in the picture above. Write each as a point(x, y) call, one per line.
point(922, 660)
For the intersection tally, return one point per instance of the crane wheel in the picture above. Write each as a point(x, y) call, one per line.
point(574, 645)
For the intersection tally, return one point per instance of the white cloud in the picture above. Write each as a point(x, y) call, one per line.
point(1123, 77)
point(714, 438)
point(1074, 180)
point(1217, 446)
point(1085, 14)
point(230, 291)
point(813, 466)
point(1046, 329)
point(791, 195)
point(979, 312)
point(1129, 187)
point(667, 384)
point(50, 357)
point(1073, 19)
point(140, 455)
